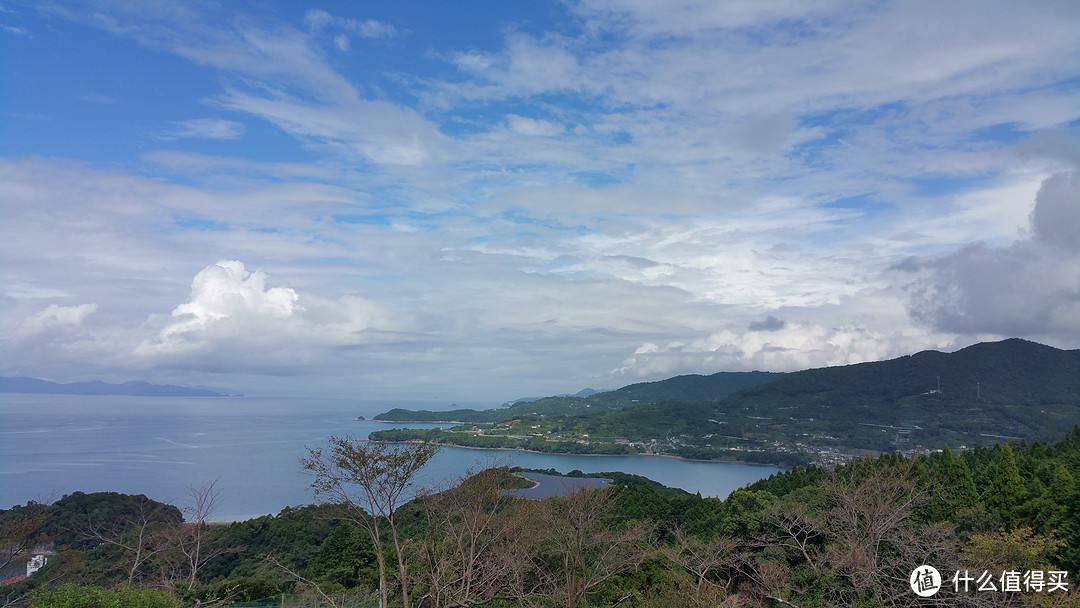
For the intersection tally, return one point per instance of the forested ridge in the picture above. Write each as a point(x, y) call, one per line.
point(691, 387)
point(805, 537)
point(987, 393)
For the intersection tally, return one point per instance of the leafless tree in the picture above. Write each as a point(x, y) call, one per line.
point(702, 557)
point(370, 480)
point(862, 535)
point(135, 534)
point(463, 557)
point(183, 548)
point(870, 522)
point(577, 548)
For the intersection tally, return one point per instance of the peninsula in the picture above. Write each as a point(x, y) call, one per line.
point(983, 394)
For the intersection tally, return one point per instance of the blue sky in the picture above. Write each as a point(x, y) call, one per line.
point(479, 201)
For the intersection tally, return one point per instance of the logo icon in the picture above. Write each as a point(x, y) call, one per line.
point(925, 581)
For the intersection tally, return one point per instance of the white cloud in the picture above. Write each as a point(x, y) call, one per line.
point(53, 317)
point(217, 38)
point(381, 131)
point(205, 128)
point(655, 188)
point(224, 293)
point(531, 126)
point(232, 314)
point(790, 347)
point(318, 20)
point(370, 28)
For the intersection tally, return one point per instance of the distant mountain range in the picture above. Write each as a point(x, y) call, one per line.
point(135, 389)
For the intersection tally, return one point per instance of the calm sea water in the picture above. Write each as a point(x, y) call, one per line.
point(51, 445)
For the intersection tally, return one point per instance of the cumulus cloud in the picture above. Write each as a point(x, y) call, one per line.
point(52, 317)
point(1026, 289)
point(1055, 219)
point(234, 318)
point(224, 296)
point(1031, 287)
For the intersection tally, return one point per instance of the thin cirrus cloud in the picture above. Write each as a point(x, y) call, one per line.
point(204, 128)
point(598, 192)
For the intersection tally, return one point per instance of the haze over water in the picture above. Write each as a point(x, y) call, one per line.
point(52, 445)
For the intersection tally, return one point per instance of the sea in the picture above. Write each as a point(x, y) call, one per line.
point(249, 448)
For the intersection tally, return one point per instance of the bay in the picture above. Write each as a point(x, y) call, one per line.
point(51, 445)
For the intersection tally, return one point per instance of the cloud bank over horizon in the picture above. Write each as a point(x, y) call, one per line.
point(462, 204)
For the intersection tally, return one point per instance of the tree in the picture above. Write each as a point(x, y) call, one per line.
point(852, 544)
point(21, 530)
point(870, 524)
point(956, 491)
point(702, 557)
point(1005, 491)
point(577, 547)
point(465, 556)
point(345, 558)
point(133, 532)
point(183, 548)
point(370, 480)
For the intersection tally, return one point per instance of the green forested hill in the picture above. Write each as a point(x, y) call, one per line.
point(1011, 372)
point(1013, 389)
point(691, 387)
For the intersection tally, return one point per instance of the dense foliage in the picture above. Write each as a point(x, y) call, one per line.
point(804, 537)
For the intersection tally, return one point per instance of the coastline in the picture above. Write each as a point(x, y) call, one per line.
point(467, 447)
point(421, 421)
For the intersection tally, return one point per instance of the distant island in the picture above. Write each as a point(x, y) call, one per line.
point(36, 386)
point(983, 394)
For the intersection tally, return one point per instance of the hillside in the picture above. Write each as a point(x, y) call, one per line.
point(1013, 389)
point(788, 535)
point(692, 387)
point(990, 392)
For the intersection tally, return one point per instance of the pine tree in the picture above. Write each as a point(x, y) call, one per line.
point(1005, 493)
